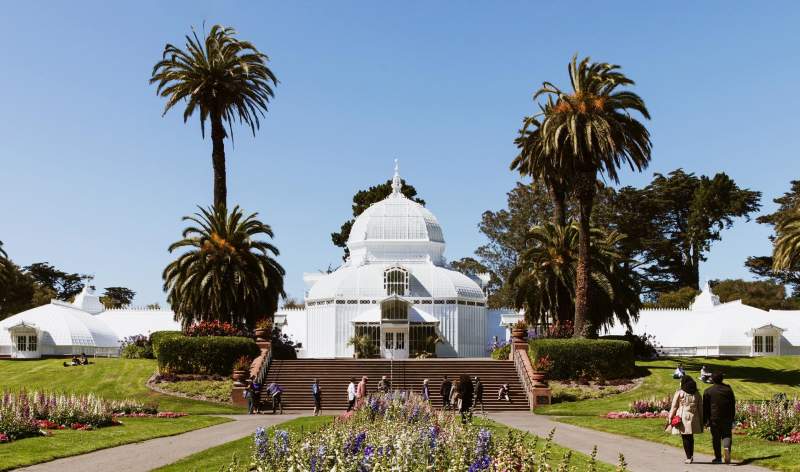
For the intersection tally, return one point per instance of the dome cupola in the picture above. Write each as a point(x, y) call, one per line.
point(396, 228)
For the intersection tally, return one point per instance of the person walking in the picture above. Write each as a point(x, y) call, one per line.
point(426, 391)
point(478, 393)
point(275, 392)
point(686, 415)
point(249, 395)
point(316, 392)
point(444, 391)
point(719, 412)
point(351, 394)
point(384, 385)
point(465, 392)
point(504, 393)
point(455, 395)
point(361, 390)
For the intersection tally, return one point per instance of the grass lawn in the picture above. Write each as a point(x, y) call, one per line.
point(108, 378)
point(751, 378)
point(214, 390)
point(221, 456)
point(66, 443)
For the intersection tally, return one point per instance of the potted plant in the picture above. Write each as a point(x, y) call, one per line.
point(362, 346)
point(263, 329)
point(541, 365)
point(241, 368)
point(519, 332)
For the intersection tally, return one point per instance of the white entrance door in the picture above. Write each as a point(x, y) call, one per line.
point(395, 343)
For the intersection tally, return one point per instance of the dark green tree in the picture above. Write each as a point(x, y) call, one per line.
point(764, 294)
point(19, 292)
point(227, 273)
point(763, 265)
point(117, 297)
point(362, 200)
point(506, 233)
point(681, 298)
point(544, 280)
point(225, 80)
point(65, 285)
point(591, 132)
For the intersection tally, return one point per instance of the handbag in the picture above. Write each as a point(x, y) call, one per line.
point(675, 421)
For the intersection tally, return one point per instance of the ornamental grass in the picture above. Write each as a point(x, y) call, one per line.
point(400, 431)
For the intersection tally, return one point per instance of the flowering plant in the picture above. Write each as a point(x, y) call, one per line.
point(653, 405)
point(542, 363)
point(242, 363)
point(773, 420)
point(213, 328)
point(400, 431)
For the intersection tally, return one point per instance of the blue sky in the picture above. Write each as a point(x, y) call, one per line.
point(94, 180)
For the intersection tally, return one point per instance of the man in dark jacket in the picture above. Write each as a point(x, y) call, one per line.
point(465, 390)
point(444, 390)
point(719, 412)
point(478, 394)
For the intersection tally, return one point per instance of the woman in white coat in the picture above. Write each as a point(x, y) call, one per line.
point(687, 406)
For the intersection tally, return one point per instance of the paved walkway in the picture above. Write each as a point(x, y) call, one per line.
point(154, 453)
point(641, 455)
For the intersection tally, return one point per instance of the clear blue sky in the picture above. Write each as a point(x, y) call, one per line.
point(94, 180)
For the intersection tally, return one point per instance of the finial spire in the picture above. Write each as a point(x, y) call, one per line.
point(396, 183)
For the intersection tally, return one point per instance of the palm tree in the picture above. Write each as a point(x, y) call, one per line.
point(590, 131)
point(544, 279)
point(225, 80)
point(3, 262)
point(787, 244)
point(227, 274)
point(534, 162)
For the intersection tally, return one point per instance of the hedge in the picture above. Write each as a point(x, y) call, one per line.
point(502, 353)
point(157, 336)
point(643, 346)
point(580, 358)
point(202, 355)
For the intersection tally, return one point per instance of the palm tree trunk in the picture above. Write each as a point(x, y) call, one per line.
point(558, 196)
point(218, 161)
point(585, 193)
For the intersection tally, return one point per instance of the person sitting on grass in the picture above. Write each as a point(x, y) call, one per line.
point(75, 361)
point(679, 372)
point(705, 375)
point(84, 359)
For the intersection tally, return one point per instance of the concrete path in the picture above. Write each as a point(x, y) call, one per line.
point(641, 455)
point(154, 453)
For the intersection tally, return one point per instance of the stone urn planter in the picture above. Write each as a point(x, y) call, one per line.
point(239, 375)
point(519, 333)
point(539, 378)
point(262, 334)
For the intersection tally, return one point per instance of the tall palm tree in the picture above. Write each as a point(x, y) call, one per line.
point(225, 80)
point(787, 244)
point(534, 162)
point(544, 279)
point(591, 132)
point(228, 274)
point(3, 262)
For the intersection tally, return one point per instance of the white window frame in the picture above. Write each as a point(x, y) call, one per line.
point(396, 278)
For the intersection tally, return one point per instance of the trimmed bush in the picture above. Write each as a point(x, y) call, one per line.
point(202, 355)
point(643, 346)
point(157, 336)
point(581, 358)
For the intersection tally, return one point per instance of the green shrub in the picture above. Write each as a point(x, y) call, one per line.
point(132, 351)
point(644, 346)
point(577, 358)
point(202, 355)
point(501, 353)
point(157, 336)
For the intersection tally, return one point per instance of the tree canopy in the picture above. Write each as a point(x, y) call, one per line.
point(65, 285)
point(117, 297)
point(362, 200)
point(764, 294)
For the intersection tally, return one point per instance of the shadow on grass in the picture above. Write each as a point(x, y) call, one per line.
point(753, 374)
point(750, 460)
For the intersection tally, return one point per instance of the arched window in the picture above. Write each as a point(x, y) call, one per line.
point(395, 281)
point(394, 310)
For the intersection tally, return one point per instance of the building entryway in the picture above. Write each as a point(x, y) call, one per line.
point(394, 343)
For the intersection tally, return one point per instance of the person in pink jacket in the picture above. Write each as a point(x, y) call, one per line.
point(361, 390)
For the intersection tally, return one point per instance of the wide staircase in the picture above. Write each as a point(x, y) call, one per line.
point(295, 377)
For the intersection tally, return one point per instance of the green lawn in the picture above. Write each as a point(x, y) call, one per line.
point(213, 390)
point(108, 378)
point(221, 456)
point(751, 378)
point(66, 443)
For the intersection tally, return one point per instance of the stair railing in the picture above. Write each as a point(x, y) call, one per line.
point(522, 363)
point(264, 369)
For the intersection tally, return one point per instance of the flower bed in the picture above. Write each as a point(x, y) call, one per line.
point(399, 432)
point(776, 420)
point(25, 413)
point(638, 409)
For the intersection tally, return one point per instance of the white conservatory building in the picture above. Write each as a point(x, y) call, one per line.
point(711, 328)
point(83, 326)
point(394, 288)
